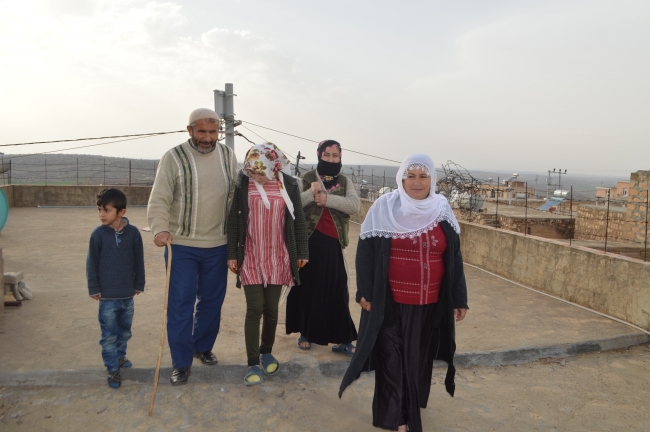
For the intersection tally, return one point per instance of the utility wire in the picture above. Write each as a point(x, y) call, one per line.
point(314, 141)
point(73, 148)
point(86, 139)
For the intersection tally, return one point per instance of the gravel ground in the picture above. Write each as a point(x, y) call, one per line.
point(605, 391)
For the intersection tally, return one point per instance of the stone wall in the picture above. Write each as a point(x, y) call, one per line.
point(591, 222)
point(612, 284)
point(365, 206)
point(637, 206)
point(2, 289)
point(9, 192)
point(33, 196)
point(542, 227)
point(553, 228)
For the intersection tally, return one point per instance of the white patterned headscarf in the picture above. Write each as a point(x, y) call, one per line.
point(397, 215)
point(268, 160)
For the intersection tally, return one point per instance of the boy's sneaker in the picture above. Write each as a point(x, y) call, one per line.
point(124, 363)
point(114, 379)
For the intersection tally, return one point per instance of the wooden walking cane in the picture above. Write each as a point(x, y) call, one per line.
point(162, 331)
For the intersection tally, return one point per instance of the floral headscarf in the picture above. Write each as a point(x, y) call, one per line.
point(268, 160)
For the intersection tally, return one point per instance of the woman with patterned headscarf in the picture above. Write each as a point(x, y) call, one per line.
point(319, 309)
point(411, 287)
point(267, 244)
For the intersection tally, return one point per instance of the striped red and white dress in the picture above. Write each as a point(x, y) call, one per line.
point(266, 261)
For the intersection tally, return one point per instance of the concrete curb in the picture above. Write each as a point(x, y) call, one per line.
point(233, 374)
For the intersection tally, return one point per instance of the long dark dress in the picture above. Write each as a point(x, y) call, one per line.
point(318, 309)
point(387, 319)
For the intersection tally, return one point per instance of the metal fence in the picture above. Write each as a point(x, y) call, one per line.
point(113, 172)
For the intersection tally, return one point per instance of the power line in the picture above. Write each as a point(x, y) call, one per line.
point(314, 141)
point(97, 138)
point(74, 148)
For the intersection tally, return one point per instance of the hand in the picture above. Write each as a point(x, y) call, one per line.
point(302, 263)
point(460, 314)
point(138, 293)
point(97, 296)
point(162, 238)
point(315, 188)
point(232, 265)
point(365, 304)
point(320, 199)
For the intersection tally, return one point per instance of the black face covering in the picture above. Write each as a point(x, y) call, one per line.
point(328, 171)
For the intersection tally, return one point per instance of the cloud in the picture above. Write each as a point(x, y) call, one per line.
point(120, 57)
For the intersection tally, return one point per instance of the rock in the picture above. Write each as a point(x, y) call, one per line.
point(14, 289)
point(24, 291)
point(12, 277)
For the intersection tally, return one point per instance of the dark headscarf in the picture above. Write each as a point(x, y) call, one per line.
point(329, 171)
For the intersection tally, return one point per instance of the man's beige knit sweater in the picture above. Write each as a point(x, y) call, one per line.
point(191, 195)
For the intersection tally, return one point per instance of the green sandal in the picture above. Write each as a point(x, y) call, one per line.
point(253, 376)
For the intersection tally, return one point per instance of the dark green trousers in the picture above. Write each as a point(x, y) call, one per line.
point(260, 302)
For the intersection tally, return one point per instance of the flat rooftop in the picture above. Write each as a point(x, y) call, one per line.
point(58, 329)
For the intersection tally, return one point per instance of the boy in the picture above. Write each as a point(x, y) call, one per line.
point(115, 273)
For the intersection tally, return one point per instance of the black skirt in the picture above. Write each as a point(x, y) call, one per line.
point(318, 308)
point(403, 357)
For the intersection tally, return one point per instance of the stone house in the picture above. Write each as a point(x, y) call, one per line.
point(627, 223)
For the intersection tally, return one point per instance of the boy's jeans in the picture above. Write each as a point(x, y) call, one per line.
point(115, 318)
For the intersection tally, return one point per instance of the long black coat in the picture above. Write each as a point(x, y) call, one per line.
point(373, 255)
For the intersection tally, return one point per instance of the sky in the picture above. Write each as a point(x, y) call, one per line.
point(522, 86)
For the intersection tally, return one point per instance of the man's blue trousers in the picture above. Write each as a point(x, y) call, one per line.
point(198, 277)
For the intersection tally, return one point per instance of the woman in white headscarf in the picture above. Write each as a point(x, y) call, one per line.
point(411, 287)
point(267, 244)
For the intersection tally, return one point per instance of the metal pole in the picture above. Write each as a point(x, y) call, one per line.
point(129, 172)
point(46, 171)
point(607, 220)
point(496, 212)
point(571, 215)
point(104, 184)
point(645, 241)
point(9, 171)
point(229, 111)
point(526, 215)
point(77, 171)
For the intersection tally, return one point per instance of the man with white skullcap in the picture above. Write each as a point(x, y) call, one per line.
point(188, 208)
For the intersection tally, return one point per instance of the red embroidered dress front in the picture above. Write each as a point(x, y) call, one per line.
point(416, 267)
point(267, 258)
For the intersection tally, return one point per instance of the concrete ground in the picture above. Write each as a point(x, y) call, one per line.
point(53, 339)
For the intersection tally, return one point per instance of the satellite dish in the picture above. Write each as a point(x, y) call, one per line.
point(4, 209)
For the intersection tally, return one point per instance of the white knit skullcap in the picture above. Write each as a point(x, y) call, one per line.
point(203, 113)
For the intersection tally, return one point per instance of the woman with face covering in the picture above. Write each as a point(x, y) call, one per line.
point(267, 244)
point(319, 309)
point(411, 287)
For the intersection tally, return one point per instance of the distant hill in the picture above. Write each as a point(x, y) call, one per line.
point(63, 169)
